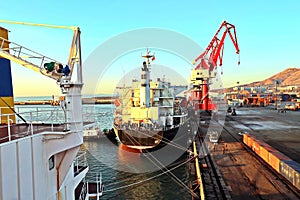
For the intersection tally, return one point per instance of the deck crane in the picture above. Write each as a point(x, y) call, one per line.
point(56, 148)
point(207, 63)
point(38, 63)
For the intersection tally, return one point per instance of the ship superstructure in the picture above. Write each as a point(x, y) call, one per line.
point(39, 158)
point(149, 111)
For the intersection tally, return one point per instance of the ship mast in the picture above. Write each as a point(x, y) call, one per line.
point(145, 80)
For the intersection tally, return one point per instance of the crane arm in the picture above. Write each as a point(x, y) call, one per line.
point(36, 61)
point(216, 55)
point(75, 51)
point(26, 57)
point(41, 25)
point(215, 48)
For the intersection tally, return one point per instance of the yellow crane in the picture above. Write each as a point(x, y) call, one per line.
point(36, 61)
point(71, 88)
point(41, 63)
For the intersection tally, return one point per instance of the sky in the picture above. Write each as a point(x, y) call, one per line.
point(267, 31)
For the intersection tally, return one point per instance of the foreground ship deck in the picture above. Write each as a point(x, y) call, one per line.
point(9, 132)
point(38, 156)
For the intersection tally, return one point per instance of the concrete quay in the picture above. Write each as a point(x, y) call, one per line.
point(245, 175)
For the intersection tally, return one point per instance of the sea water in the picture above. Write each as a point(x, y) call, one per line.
point(106, 158)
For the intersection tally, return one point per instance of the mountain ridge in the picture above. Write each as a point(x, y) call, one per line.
point(289, 76)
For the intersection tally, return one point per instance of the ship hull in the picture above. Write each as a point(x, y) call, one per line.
point(138, 139)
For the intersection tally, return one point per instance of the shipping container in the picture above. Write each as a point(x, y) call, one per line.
point(256, 146)
point(275, 158)
point(278, 161)
point(291, 170)
point(250, 142)
point(264, 152)
point(245, 139)
point(262, 143)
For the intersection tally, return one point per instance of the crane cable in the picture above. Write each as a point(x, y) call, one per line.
point(176, 146)
point(130, 178)
point(175, 178)
point(148, 179)
point(170, 142)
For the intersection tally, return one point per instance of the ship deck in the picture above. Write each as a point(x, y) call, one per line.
point(17, 131)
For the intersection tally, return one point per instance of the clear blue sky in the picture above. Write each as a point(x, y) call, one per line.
point(268, 31)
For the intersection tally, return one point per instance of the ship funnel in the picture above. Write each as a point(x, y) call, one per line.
point(6, 92)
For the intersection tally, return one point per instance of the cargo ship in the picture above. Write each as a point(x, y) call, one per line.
point(148, 112)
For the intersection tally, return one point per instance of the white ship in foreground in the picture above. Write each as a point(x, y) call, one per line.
point(39, 149)
point(148, 112)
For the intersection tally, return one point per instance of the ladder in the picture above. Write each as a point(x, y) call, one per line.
point(27, 58)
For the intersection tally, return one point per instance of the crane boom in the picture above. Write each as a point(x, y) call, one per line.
point(41, 25)
point(207, 62)
point(215, 48)
point(26, 57)
point(35, 61)
point(70, 86)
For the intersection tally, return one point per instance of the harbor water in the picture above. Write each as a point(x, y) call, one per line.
point(107, 158)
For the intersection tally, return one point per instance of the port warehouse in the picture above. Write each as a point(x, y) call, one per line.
point(278, 161)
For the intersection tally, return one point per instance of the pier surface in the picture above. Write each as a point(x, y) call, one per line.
point(245, 175)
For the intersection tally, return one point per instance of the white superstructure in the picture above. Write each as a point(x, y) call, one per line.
point(38, 159)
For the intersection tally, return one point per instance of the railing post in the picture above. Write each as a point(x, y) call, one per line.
point(31, 126)
point(97, 180)
point(43, 58)
point(8, 128)
point(37, 113)
point(19, 51)
point(52, 121)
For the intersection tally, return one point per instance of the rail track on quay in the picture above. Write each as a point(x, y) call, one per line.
point(283, 186)
point(212, 182)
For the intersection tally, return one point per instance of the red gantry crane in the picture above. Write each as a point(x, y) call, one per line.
point(207, 63)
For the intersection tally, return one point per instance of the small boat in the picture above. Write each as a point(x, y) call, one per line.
point(92, 132)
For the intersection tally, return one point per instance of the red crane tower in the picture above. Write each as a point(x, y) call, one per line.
point(207, 62)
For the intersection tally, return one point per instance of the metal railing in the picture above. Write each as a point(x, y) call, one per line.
point(9, 125)
point(36, 115)
point(31, 117)
point(41, 115)
point(83, 192)
point(20, 52)
point(80, 162)
point(98, 188)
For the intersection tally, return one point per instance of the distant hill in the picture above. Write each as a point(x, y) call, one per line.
point(289, 76)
